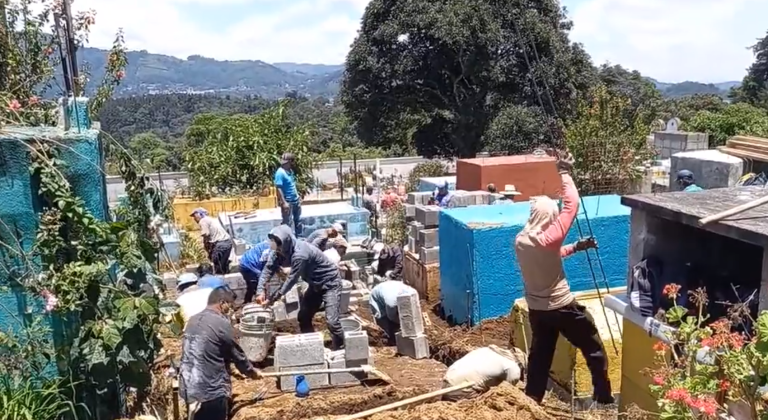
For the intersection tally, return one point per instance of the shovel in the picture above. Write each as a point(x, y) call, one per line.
point(362, 369)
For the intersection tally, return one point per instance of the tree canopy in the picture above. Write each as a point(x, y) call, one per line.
point(444, 70)
point(754, 87)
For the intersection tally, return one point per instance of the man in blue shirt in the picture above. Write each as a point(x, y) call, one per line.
point(287, 194)
point(383, 304)
point(442, 196)
point(251, 265)
point(685, 180)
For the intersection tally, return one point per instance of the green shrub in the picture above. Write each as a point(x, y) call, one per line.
point(430, 168)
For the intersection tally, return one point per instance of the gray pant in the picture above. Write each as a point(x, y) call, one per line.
point(313, 299)
point(387, 318)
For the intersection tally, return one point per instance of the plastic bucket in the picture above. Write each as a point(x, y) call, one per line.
point(256, 327)
point(350, 325)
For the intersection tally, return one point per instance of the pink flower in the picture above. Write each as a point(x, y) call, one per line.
point(48, 51)
point(34, 100)
point(14, 105)
point(51, 301)
point(120, 75)
point(706, 405)
point(658, 380)
point(678, 395)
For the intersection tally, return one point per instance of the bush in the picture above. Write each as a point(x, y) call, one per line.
point(422, 170)
point(738, 119)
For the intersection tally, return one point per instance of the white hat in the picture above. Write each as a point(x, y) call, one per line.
point(377, 250)
point(510, 189)
point(338, 227)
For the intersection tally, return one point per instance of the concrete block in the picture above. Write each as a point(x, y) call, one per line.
point(354, 274)
point(170, 281)
point(410, 210)
point(461, 199)
point(288, 383)
point(236, 282)
point(428, 238)
point(293, 295)
point(412, 244)
point(711, 168)
point(299, 350)
point(344, 301)
point(409, 310)
point(413, 347)
point(336, 360)
point(239, 247)
point(428, 216)
point(429, 255)
point(356, 349)
point(285, 311)
point(414, 228)
point(419, 198)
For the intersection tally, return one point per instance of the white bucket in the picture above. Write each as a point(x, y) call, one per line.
point(256, 327)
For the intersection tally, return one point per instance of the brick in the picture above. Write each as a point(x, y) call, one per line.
point(412, 244)
point(429, 216)
point(293, 295)
point(409, 311)
point(413, 347)
point(344, 302)
point(239, 247)
point(288, 383)
point(191, 268)
point(414, 228)
point(336, 360)
point(299, 350)
point(428, 238)
point(356, 349)
point(461, 199)
point(410, 210)
point(429, 255)
point(420, 198)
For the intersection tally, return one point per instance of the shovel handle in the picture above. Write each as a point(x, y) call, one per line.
point(316, 372)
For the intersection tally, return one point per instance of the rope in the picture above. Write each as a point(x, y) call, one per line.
point(525, 41)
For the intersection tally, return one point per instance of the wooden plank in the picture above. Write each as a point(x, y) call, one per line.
point(744, 154)
point(747, 146)
point(424, 278)
point(751, 139)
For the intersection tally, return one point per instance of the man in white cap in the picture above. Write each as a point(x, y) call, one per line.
point(320, 237)
point(287, 193)
point(387, 261)
point(507, 195)
point(216, 240)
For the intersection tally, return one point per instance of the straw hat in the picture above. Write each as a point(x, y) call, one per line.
point(510, 189)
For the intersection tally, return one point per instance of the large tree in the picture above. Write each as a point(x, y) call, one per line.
point(440, 71)
point(754, 87)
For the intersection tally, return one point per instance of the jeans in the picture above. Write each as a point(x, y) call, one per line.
point(251, 282)
point(579, 330)
point(313, 299)
point(219, 255)
point(293, 211)
point(217, 409)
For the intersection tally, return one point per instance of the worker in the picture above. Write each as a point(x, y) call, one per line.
point(187, 283)
point(507, 195)
point(685, 180)
point(320, 237)
point(216, 240)
point(287, 193)
point(192, 302)
point(383, 303)
point(208, 346)
point(553, 310)
point(314, 267)
point(369, 200)
point(442, 196)
point(484, 367)
point(251, 265)
point(491, 188)
point(387, 261)
point(337, 249)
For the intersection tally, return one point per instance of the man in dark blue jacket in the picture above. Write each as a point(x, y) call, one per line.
point(322, 275)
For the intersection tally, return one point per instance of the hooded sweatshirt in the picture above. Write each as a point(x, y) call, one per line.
point(306, 261)
point(539, 248)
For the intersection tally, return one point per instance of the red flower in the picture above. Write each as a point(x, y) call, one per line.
point(678, 395)
point(34, 100)
point(706, 405)
point(736, 340)
point(671, 290)
point(658, 380)
point(708, 342)
point(120, 75)
point(660, 346)
point(14, 105)
point(725, 385)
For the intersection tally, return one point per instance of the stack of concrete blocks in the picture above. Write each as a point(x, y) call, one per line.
point(288, 308)
point(711, 169)
point(423, 234)
point(300, 352)
point(414, 199)
point(671, 141)
point(356, 353)
point(469, 198)
point(411, 340)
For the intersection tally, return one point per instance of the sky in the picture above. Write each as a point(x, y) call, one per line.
point(669, 40)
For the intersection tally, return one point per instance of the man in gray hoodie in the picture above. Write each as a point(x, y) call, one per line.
point(308, 262)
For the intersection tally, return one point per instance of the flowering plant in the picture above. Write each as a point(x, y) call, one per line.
point(705, 368)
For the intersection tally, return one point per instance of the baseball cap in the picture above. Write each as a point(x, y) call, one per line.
point(684, 174)
point(287, 157)
point(199, 210)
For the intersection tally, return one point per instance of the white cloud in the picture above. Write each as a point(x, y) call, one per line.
point(703, 40)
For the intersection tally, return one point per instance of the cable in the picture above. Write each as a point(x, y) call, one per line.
point(555, 142)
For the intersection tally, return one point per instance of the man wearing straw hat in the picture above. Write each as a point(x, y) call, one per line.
point(507, 195)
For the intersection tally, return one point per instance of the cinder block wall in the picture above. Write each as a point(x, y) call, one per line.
point(667, 144)
point(531, 175)
point(476, 255)
point(711, 168)
point(19, 202)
